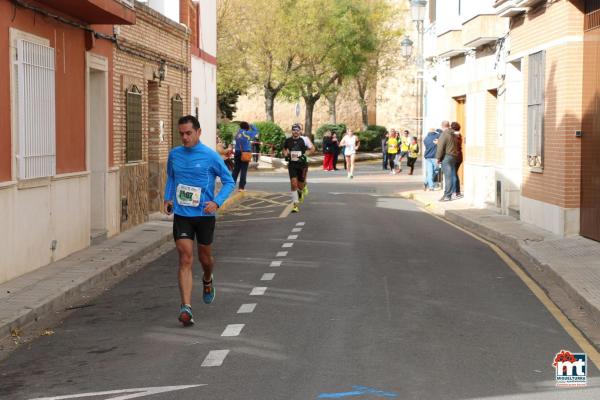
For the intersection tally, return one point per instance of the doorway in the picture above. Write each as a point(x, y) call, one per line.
point(460, 106)
point(590, 140)
point(97, 146)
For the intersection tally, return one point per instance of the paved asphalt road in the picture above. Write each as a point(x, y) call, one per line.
point(374, 299)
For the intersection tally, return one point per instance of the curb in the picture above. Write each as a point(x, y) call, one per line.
point(510, 244)
point(93, 273)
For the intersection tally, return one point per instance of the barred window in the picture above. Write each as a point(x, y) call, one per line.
point(36, 110)
point(535, 109)
point(176, 113)
point(134, 124)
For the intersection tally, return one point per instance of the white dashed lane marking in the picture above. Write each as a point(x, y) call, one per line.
point(233, 330)
point(275, 263)
point(247, 308)
point(300, 224)
point(215, 358)
point(297, 230)
point(292, 237)
point(258, 291)
point(267, 277)
point(282, 254)
point(287, 245)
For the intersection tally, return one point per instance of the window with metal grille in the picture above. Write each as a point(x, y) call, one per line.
point(133, 149)
point(36, 109)
point(592, 14)
point(176, 113)
point(535, 109)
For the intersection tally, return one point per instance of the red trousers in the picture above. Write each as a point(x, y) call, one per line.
point(328, 162)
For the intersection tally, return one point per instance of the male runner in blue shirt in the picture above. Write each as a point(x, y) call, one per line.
point(190, 194)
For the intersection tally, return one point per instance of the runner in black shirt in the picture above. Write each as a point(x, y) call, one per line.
point(294, 150)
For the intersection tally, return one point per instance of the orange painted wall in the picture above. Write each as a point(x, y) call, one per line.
point(69, 45)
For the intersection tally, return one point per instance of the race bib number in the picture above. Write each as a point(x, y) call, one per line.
point(296, 155)
point(188, 196)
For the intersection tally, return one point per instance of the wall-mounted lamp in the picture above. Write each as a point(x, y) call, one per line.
point(161, 74)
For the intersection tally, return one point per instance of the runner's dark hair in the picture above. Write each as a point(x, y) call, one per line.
point(190, 118)
point(245, 126)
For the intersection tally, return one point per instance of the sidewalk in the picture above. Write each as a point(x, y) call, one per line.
point(573, 261)
point(51, 288)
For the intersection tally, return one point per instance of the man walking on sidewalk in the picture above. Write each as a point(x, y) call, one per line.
point(431, 164)
point(189, 194)
point(447, 155)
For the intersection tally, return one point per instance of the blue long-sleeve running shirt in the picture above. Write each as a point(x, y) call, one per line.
point(191, 175)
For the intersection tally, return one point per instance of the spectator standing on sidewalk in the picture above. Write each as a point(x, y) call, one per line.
point(413, 154)
point(335, 146)
point(243, 154)
point(392, 150)
point(384, 148)
point(327, 152)
point(458, 139)
point(404, 143)
point(431, 165)
point(447, 156)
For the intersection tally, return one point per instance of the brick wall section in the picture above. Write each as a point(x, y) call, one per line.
point(157, 38)
point(559, 183)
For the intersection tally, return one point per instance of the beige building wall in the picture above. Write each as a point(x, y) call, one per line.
point(551, 196)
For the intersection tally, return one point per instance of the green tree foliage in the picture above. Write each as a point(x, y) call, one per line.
point(257, 47)
point(271, 136)
point(228, 131)
point(339, 129)
point(335, 42)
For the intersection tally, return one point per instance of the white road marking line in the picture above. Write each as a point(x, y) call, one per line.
point(247, 308)
point(267, 277)
point(275, 263)
point(287, 245)
point(292, 237)
point(297, 230)
point(282, 254)
point(215, 358)
point(233, 330)
point(258, 291)
point(300, 224)
point(139, 392)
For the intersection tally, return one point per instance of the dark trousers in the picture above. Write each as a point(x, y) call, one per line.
point(457, 178)
point(411, 163)
point(240, 167)
point(390, 160)
point(449, 168)
point(385, 160)
point(336, 154)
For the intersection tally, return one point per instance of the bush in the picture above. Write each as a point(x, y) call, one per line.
point(271, 136)
point(228, 131)
point(337, 128)
point(369, 140)
point(381, 130)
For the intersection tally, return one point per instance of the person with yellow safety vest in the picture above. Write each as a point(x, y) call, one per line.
point(392, 150)
point(413, 154)
point(404, 143)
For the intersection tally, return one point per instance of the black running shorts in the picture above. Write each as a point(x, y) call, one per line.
point(296, 170)
point(200, 228)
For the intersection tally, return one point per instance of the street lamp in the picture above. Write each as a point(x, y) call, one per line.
point(406, 47)
point(417, 8)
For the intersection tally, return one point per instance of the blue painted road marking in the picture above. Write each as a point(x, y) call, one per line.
point(358, 391)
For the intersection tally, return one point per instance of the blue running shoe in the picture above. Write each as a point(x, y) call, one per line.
point(185, 315)
point(208, 294)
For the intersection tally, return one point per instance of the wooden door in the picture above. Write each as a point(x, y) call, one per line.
point(590, 141)
point(461, 103)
